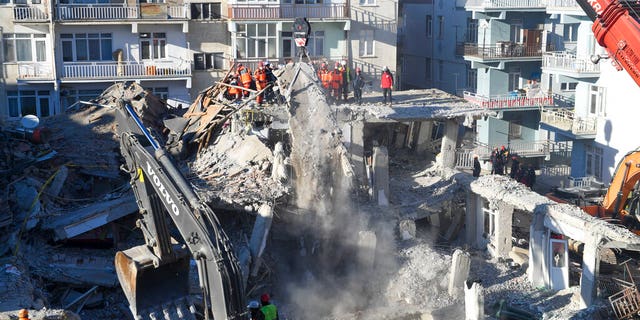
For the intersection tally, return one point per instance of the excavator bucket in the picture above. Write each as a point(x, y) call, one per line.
point(152, 289)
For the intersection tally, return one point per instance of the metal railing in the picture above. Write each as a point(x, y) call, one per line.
point(506, 3)
point(75, 12)
point(568, 62)
point(110, 70)
point(503, 50)
point(509, 101)
point(564, 100)
point(30, 14)
point(566, 120)
point(289, 11)
point(571, 5)
point(581, 182)
point(556, 171)
point(34, 71)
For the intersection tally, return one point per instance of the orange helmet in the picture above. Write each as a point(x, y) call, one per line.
point(323, 66)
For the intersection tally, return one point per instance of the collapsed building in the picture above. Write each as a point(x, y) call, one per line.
point(337, 211)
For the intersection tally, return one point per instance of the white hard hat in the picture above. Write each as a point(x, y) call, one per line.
point(343, 62)
point(385, 68)
point(253, 304)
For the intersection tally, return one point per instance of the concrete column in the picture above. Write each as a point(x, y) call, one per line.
point(503, 231)
point(460, 265)
point(258, 240)
point(449, 142)
point(473, 301)
point(381, 175)
point(424, 136)
point(356, 149)
point(590, 270)
point(474, 221)
point(538, 243)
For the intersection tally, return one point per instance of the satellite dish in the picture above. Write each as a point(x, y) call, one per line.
point(30, 121)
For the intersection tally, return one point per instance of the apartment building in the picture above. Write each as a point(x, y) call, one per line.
point(594, 109)
point(429, 33)
point(507, 59)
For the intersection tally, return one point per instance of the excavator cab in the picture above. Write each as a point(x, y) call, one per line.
point(152, 288)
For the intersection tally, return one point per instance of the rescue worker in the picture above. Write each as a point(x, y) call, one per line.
point(358, 84)
point(254, 310)
point(269, 310)
point(346, 79)
point(325, 76)
point(515, 166)
point(244, 75)
point(386, 83)
point(233, 94)
point(476, 166)
point(336, 82)
point(261, 81)
point(531, 176)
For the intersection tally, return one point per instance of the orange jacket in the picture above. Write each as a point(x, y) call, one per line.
point(336, 79)
point(261, 78)
point(245, 76)
point(325, 77)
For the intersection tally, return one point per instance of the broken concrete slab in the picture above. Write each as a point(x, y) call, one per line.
point(460, 265)
point(91, 217)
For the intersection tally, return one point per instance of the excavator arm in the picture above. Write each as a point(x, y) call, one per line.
point(154, 276)
point(624, 179)
point(616, 26)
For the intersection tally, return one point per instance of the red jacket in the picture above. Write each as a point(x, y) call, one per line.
point(386, 81)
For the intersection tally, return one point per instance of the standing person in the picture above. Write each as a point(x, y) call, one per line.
point(336, 82)
point(346, 79)
point(358, 84)
point(476, 166)
point(494, 161)
point(515, 165)
point(244, 74)
point(531, 174)
point(261, 81)
point(269, 310)
point(254, 310)
point(386, 83)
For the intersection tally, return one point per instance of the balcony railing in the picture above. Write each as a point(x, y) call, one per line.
point(505, 4)
point(504, 50)
point(112, 70)
point(566, 120)
point(30, 14)
point(35, 71)
point(464, 156)
point(564, 100)
point(510, 101)
point(289, 11)
point(112, 12)
point(568, 62)
point(564, 5)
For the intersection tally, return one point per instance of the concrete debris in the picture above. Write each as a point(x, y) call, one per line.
point(460, 265)
point(473, 301)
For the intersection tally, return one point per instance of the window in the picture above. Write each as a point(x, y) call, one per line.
point(256, 40)
point(514, 79)
point(570, 32)
point(366, 43)
point(516, 33)
point(86, 47)
point(568, 86)
point(515, 130)
point(206, 11)
point(594, 161)
point(70, 96)
point(315, 44)
point(26, 102)
point(153, 45)
point(596, 98)
point(24, 47)
point(440, 27)
point(472, 79)
point(367, 2)
point(288, 46)
point(472, 30)
point(208, 61)
point(427, 68)
point(162, 93)
point(429, 30)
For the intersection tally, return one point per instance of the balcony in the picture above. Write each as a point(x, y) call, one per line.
point(289, 11)
point(114, 12)
point(500, 5)
point(568, 64)
point(35, 72)
point(523, 148)
point(566, 120)
point(501, 51)
point(30, 14)
point(108, 70)
point(564, 7)
point(510, 101)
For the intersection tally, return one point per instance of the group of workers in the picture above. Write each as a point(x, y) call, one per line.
point(263, 310)
point(499, 158)
point(260, 79)
point(337, 82)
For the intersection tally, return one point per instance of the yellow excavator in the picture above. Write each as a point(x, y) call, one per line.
point(623, 196)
